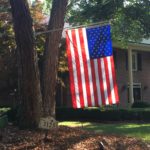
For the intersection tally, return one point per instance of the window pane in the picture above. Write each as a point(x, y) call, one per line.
point(137, 94)
point(134, 61)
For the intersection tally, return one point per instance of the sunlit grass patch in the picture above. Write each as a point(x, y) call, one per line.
point(141, 131)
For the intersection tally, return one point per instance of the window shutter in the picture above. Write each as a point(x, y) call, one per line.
point(139, 61)
point(126, 60)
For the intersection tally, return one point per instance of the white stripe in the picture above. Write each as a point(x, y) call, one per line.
point(111, 81)
point(81, 68)
point(89, 66)
point(74, 70)
point(97, 82)
point(104, 82)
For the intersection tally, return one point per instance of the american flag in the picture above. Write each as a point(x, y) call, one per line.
point(91, 67)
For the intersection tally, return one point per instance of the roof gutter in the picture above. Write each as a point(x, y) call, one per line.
point(133, 46)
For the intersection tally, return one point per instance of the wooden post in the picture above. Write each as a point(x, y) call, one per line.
point(130, 75)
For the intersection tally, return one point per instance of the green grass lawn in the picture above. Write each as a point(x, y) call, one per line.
point(141, 131)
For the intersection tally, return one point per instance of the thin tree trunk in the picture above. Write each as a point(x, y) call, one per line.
point(51, 56)
point(30, 93)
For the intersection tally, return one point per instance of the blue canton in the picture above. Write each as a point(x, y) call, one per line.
point(99, 41)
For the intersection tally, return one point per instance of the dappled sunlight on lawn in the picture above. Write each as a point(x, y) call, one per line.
point(75, 124)
point(133, 125)
point(141, 131)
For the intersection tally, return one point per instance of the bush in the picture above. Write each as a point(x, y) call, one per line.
point(12, 115)
point(3, 117)
point(140, 105)
point(3, 121)
point(4, 110)
point(98, 115)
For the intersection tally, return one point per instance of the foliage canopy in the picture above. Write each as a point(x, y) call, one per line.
point(130, 19)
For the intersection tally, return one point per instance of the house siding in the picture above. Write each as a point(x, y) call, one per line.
point(122, 77)
point(142, 76)
point(63, 96)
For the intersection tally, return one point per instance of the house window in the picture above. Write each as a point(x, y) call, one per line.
point(136, 92)
point(134, 61)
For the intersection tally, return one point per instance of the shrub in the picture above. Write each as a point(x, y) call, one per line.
point(140, 105)
point(12, 115)
point(98, 115)
point(3, 121)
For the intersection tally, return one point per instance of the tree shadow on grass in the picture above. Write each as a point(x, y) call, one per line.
point(136, 130)
point(78, 137)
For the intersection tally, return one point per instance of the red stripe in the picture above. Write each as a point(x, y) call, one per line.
point(72, 87)
point(94, 82)
point(101, 81)
point(85, 68)
point(108, 81)
point(96, 71)
point(78, 68)
point(114, 80)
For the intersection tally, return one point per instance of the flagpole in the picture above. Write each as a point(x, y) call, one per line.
point(91, 25)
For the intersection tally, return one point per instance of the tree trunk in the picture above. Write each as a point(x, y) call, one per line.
point(51, 56)
point(30, 93)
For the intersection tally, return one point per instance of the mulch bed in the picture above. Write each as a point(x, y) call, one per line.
point(65, 138)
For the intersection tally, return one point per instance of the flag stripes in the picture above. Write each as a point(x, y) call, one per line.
point(92, 81)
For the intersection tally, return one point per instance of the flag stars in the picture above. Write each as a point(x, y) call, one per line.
point(99, 42)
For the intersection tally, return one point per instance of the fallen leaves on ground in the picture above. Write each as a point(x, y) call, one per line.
point(65, 138)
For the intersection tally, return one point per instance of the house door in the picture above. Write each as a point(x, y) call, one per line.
point(136, 92)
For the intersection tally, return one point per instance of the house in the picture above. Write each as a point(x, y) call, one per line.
point(132, 73)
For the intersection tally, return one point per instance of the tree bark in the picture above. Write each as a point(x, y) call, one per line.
point(51, 56)
point(29, 89)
